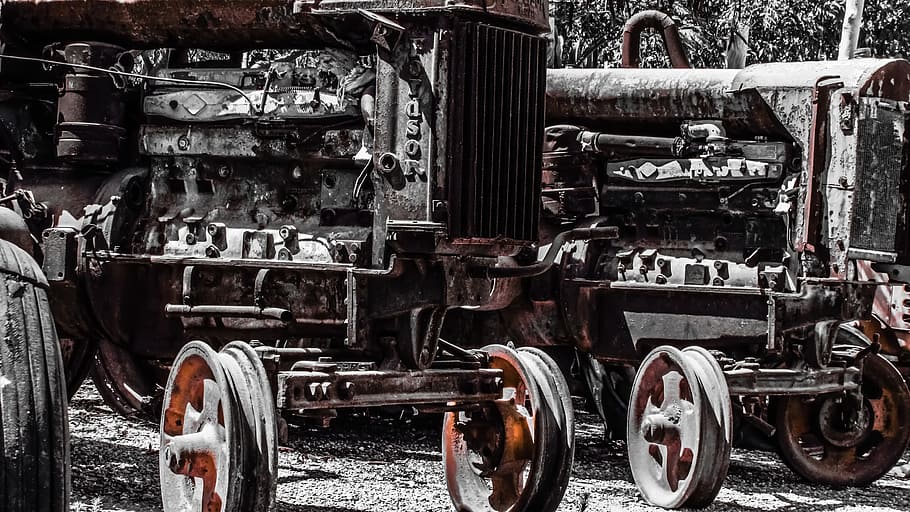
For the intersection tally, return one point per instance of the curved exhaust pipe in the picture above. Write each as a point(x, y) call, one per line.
point(631, 39)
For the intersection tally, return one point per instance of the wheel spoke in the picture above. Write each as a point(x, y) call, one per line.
point(211, 400)
point(673, 428)
point(506, 489)
point(197, 434)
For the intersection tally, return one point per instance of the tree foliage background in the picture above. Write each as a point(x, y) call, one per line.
point(781, 30)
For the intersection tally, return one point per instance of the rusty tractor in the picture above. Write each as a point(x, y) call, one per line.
point(762, 226)
point(748, 204)
point(322, 180)
point(330, 181)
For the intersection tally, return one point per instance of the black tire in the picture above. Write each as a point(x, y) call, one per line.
point(617, 390)
point(78, 359)
point(34, 473)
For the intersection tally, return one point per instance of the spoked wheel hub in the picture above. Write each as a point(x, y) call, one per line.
point(514, 454)
point(679, 428)
point(218, 437)
point(847, 439)
point(503, 438)
point(845, 421)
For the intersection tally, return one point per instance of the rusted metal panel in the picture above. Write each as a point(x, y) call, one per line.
point(654, 101)
point(240, 24)
point(532, 12)
point(657, 95)
point(163, 23)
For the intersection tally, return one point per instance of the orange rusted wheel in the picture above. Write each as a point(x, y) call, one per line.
point(507, 455)
point(679, 428)
point(847, 439)
point(218, 439)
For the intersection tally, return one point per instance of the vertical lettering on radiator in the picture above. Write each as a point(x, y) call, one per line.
point(413, 166)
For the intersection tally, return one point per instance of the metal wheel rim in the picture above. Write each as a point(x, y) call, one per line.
point(252, 385)
point(666, 471)
point(195, 439)
point(558, 397)
point(805, 450)
point(719, 435)
point(111, 367)
point(469, 491)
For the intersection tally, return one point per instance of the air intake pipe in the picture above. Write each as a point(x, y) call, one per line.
point(631, 39)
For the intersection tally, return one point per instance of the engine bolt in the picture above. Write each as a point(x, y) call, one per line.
point(347, 391)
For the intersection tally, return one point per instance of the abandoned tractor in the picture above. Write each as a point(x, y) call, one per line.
point(322, 180)
point(748, 202)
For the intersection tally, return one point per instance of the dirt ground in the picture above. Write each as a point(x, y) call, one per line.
point(369, 465)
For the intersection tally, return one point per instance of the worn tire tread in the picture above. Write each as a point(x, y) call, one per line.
point(35, 474)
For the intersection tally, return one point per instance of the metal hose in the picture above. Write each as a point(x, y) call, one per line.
point(631, 39)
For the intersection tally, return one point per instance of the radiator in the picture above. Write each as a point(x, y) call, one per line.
point(497, 113)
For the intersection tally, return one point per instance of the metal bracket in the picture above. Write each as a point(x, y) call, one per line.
point(896, 273)
point(257, 311)
point(386, 33)
point(60, 253)
point(785, 382)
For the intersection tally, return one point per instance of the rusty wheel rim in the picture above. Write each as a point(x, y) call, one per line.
point(674, 437)
point(257, 406)
point(199, 435)
point(129, 385)
point(492, 459)
point(838, 440)
point(560, 412)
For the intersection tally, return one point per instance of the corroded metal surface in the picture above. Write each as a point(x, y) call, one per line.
point(631, 38)
point(853, 441)
point(163, 23)
point(329, 197)
point(240, 24)
point(509, 454)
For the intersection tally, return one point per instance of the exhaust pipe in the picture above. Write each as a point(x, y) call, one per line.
point(631, 39)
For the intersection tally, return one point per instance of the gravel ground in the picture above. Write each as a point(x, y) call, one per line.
point(370, 465)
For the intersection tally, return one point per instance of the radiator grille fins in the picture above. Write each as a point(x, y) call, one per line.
point(877, 204)
point(497, 108)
